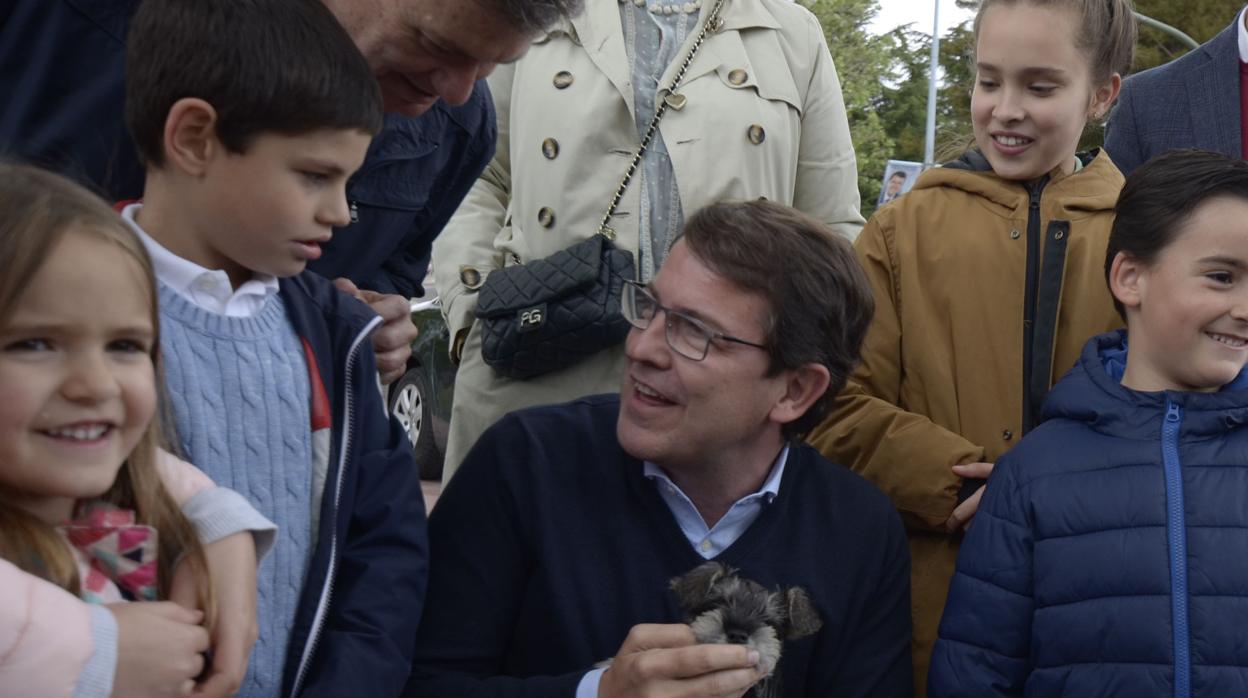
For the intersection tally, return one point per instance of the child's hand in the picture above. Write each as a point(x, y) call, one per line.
point(962, 515)
point(232, 575)
point(392, 343)
point(160, 648)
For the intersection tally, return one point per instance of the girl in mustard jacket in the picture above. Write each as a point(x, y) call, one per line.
point(988, 280)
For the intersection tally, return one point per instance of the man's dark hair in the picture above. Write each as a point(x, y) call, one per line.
point(819, 298)
point(1161, 195)
point(535, 16)
point(282, 66)
point(898, 173)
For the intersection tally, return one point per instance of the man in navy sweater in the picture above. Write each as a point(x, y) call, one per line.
point(553, 547)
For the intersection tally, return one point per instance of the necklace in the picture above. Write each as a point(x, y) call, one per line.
point(657, 8)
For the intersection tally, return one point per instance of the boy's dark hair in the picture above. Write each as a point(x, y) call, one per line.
point(1161, 195)
point(283, 66)
point(819, 297)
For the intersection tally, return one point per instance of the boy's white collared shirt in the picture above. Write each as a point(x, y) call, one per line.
point(209, 289)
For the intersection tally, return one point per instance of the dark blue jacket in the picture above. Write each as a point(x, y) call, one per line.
point(62, 65)
point(362, 598)
point(1190, 102)
point(1109, 556)
point(550, 544)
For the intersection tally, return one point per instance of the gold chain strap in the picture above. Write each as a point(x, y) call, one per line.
point(713, 24)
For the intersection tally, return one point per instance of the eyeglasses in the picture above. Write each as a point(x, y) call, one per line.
point(686, 335)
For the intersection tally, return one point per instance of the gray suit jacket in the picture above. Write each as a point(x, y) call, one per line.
point(1191, 102)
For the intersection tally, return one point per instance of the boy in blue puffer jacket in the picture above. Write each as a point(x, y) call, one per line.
point(1110, 553)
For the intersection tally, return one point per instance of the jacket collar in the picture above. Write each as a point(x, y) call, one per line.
point(972, 174)
point(1091, 393)
point(597, 29)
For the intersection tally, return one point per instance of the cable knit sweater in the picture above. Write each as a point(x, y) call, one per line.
point(239, 394)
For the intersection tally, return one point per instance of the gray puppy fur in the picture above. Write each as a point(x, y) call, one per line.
point(725, 608)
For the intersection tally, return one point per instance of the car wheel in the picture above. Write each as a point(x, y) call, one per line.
point(409, 403)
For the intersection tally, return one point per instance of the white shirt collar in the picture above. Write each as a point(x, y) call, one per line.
point(1243, 36)
point(209, 289)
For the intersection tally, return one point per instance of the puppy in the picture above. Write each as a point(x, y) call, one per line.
point(724, 608)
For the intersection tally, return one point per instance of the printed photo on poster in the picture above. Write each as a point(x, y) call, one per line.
point(899, 176)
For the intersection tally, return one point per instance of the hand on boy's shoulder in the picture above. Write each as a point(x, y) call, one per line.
point(393, 342)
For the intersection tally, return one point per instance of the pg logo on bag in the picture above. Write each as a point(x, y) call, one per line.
point(531, 318)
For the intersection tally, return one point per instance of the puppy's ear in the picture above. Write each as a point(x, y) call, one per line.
point(693, 587)
point(802, 616)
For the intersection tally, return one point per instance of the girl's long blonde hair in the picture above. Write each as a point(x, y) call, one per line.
point(37, 209)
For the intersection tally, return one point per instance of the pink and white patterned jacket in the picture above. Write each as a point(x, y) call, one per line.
point(46, 633)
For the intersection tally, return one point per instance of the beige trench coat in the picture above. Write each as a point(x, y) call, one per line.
point(567, 134)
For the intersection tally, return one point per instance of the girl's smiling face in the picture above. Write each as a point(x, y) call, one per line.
point(76, 375)
point(1033, 89)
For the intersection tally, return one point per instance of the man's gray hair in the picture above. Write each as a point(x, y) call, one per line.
point(536, 16)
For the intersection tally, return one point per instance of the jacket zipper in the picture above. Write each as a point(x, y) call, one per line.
point(327, 591)
point(1030, 293)
point(1177, 530)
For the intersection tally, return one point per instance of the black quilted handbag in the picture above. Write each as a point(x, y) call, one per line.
point(554, 312)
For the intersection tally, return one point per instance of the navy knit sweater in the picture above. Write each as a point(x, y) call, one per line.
point(550, 544)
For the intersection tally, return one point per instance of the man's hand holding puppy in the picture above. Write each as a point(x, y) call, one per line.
point(665, 660)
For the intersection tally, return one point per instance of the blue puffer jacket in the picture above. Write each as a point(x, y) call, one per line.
point(1109, 556)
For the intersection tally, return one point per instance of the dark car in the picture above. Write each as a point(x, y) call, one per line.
point(421, 399)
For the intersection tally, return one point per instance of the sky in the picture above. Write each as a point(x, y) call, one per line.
point(894, 13)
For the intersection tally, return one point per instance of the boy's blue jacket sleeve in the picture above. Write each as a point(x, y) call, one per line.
point(984, 645)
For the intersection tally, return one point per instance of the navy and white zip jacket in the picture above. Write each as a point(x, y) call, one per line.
point(355, 628)
point(1109, 556)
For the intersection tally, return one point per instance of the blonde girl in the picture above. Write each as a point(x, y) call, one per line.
point(83, 498)
point(987, 277)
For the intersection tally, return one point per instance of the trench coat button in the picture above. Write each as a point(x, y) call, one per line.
point(737, 77)
point(546, 216)
point(550, 148)
point(1007, 435)
point(1014, 234)
point(470, 277)
point(562, 80)
point(756, 133)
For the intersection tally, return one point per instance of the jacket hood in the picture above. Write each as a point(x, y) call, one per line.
point(972, 173)
point(1091, 392)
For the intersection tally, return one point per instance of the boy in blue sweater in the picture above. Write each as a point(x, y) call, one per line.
point(250, 115)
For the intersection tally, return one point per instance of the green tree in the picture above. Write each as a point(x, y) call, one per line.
point(861, 58)
point(1199, 19)
point(902, 105)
